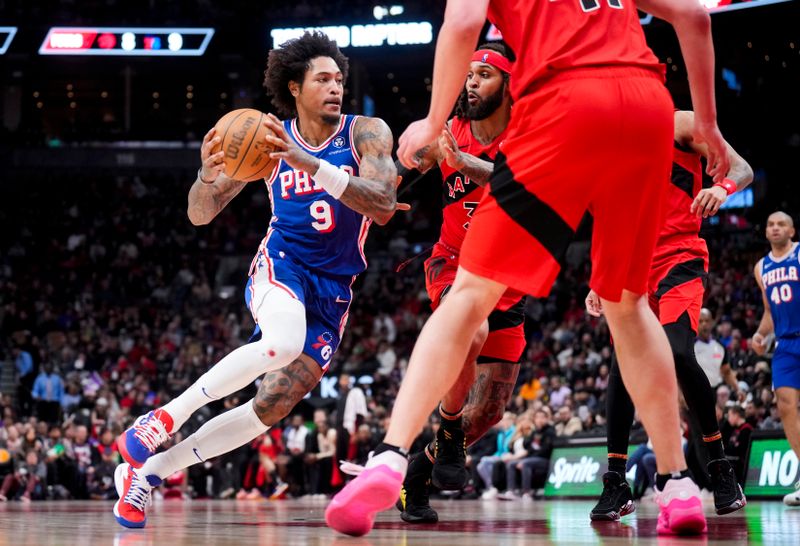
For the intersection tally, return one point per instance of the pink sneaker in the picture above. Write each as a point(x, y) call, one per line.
point(681, 510)
point(352, 511)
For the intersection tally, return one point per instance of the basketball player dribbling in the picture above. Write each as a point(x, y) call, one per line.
point(589, 94)
point(778, 276)
point(335, 176)
point(479, 396)
point(675, 291)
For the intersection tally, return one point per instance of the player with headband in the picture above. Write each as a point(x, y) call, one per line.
point(465, 152)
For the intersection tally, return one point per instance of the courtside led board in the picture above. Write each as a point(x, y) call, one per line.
point(128, 41)
point(773, 469)
point(577, 471)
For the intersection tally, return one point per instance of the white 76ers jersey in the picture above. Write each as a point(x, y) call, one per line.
point(308, 225)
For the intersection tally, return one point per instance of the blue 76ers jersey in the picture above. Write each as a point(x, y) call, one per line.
point(310, 226)
point(782, 286)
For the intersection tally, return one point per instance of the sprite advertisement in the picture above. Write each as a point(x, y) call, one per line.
point(773, 468)
point(577, 471)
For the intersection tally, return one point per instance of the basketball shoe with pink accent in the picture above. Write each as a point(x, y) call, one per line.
point(681, 510)
point(376, 488)
point(142, 439)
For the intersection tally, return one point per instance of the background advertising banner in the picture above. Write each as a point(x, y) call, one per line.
point(577, 471)
point(773, 468)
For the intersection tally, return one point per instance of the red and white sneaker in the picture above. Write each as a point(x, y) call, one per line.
point(142, 439)
point(376, 488)
point(681, 510)
point(134, 496)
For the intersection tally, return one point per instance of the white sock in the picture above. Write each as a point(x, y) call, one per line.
point(283, 334)
point(222, 434)
point(392, 459)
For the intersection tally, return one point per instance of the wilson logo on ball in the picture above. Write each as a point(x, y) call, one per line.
point(237, 138)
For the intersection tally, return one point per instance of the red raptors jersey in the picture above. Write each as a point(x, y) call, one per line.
point(460, 195)
point(686, 182)
point(553, 35)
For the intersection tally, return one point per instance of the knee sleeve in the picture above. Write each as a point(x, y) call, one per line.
point(282, 320)
point(279, 344)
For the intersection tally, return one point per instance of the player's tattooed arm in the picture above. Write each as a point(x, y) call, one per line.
point(374, 192)
point(709, 200)
point(208, 200)
point(740, 170)
point(212, 191)
point(474, 168)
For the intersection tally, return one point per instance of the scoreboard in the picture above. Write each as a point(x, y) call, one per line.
point(112, 41)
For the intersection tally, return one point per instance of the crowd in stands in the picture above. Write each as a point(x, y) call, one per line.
point(111, 303)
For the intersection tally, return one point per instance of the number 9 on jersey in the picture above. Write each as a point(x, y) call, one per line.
point(323, 216)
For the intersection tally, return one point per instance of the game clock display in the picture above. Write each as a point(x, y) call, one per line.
point(143, 41)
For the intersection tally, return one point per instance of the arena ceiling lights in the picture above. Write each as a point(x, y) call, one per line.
point(128, 41)
point(368, 35)
point(6, 35)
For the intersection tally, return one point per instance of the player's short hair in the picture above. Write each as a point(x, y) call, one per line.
point(462, 104)
point(787, 216)
point(291, 60)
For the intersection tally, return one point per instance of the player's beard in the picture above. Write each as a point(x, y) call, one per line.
point(486, 107)
point(331, 119)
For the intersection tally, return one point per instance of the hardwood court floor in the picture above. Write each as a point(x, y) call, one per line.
point(300, 522)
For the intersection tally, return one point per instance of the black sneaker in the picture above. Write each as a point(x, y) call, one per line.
point(414, 502)
point(728, 494)
point(450, 467)
point(615, 501)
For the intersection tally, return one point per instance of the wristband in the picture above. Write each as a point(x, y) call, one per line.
point(332, 179)
point(728, 185)
point(200, 176)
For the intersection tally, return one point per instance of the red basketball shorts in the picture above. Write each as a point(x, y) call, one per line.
point(592, 138)
point(506, 339)
point(678, 277)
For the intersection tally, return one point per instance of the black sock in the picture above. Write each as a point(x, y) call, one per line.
point(383, 446)
point(714, 446)
point(617, 464)
point(662, 479)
